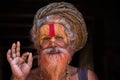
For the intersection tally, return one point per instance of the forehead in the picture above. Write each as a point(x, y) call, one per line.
point(58, 28)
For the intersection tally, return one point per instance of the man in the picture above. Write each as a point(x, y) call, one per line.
point(58, 32)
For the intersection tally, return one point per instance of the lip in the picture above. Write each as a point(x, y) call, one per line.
point(54, 53)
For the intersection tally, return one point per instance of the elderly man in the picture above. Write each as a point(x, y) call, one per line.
point(58, 32)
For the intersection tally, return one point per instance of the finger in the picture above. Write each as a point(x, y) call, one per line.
point(13, 50)
point(9, 58)
point(30, 60)
point(25, 55)
point(18, 49)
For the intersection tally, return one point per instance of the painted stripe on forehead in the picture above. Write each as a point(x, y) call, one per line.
point(51, 30)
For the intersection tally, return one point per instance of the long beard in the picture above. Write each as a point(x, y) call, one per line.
point(53, 62)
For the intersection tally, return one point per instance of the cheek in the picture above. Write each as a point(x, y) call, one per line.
point(44, 46)
point(63, 45)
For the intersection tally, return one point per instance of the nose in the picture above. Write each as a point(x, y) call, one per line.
point(53, 44)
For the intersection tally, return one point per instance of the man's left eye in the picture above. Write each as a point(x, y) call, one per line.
point(58, 37)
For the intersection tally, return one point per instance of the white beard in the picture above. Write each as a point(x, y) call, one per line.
point(53, 65)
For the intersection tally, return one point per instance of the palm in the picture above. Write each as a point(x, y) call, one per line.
point(20, 68)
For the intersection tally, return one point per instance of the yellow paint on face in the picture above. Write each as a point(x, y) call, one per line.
point(59, 31)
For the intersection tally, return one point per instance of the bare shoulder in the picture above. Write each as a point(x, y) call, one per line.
point(92, 75)
point(73, 72)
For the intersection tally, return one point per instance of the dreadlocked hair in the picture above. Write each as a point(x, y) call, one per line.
point(72, 20)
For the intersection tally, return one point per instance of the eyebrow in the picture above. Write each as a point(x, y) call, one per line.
point(43, 35)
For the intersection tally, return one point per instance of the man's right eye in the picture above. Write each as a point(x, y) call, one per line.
point(46, 38)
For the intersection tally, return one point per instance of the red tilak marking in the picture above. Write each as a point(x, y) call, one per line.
point(51, 30)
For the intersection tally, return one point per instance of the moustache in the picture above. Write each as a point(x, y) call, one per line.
point(51, 50)
point(54, 50)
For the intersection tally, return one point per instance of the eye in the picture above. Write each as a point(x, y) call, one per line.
point(46, 38)
point(59, 38)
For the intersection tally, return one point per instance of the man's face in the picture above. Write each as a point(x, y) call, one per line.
point(55, 50)
point(53, 35)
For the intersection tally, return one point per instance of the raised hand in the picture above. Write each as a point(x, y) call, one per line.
point(20, 65)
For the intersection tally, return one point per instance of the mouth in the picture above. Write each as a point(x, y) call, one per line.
point(54, 52)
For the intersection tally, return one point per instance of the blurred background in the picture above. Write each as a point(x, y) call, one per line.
point(101, 53)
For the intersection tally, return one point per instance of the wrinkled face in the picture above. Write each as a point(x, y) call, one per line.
point(53, 35)
point(55, 50)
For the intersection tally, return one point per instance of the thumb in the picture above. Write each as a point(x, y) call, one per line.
point(30, 60)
